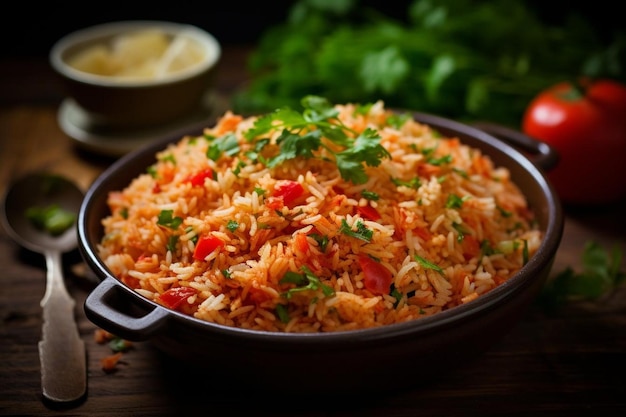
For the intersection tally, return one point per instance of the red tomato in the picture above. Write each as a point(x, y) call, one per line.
point(588, 131)
point(206, 244)
point(302, 243)
point(368, 212)
point(288, 190)
point(174, 297)
point(197, 180)
point(378, 279)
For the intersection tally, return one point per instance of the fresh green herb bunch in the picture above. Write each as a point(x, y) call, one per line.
point(458, 58)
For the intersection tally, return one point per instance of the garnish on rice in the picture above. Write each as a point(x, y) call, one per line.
point(320, 127)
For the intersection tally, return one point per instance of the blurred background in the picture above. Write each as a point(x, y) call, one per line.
point(458, 58)
point(32, 29)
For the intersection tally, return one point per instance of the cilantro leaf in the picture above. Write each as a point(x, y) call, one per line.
point(166, 218)
point(600, 274)
point(293, 145)
point(227, 144)
point(302, 134)
point(306, 281)
point(362, 232)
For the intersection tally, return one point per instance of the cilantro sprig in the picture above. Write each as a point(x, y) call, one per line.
point(305, 281)
point(318, 126)
point(599, 275)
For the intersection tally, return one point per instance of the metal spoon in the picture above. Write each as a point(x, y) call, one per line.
point(61, 350)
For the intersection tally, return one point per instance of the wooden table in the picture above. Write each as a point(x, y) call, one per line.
point(569, 363)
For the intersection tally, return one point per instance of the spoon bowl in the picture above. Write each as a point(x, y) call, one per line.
point(40, 190)
point(61, 350)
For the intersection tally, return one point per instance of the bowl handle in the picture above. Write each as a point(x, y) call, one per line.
point(542, 154)
point(108, 306)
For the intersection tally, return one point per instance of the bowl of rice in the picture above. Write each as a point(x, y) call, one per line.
point(323, 247)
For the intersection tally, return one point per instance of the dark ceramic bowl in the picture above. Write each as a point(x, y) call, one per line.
point(112, 101)
point(385, 357)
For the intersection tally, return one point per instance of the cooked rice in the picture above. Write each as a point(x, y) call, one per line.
point(437, 255)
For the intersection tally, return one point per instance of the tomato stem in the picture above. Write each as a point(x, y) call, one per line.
point(580, 87)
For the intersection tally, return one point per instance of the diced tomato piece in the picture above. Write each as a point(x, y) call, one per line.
point(101, 336)
point(428, 170)
point(423, 233)
point(302, 243)
point(174, 297)
point(206, 244)
point(368, 212)
point(378, 278)
point(274, 203)
point(228, 123)
point(288, 190)
point(109, 362)
point(470, 246)
point(258, 296)
point(197, 180)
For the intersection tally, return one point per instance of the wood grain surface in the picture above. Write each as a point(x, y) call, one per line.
point(566, 363)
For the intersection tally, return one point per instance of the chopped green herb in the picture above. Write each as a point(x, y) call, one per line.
point(194, 238)
point(169, 157)
point(460, 230)
point(166, 219)
point(306, 281)
point(171, 243)
point(503, 212)
point(486, 249)
point(397, 120)
point(396, 294)
point(440, 161)
point(461, 172)
point(508, 246)
point(362, 232)
point(227, 144)
point(414, 183)
point(370, 195)
point(237, 169)
point(117, 344)
point(232, 225)
point(53, 219)
point(454, 201)
point(428, 265)
point(281, 312)
point(322, 241)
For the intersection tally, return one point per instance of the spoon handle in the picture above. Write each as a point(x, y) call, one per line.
point(61, 350)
